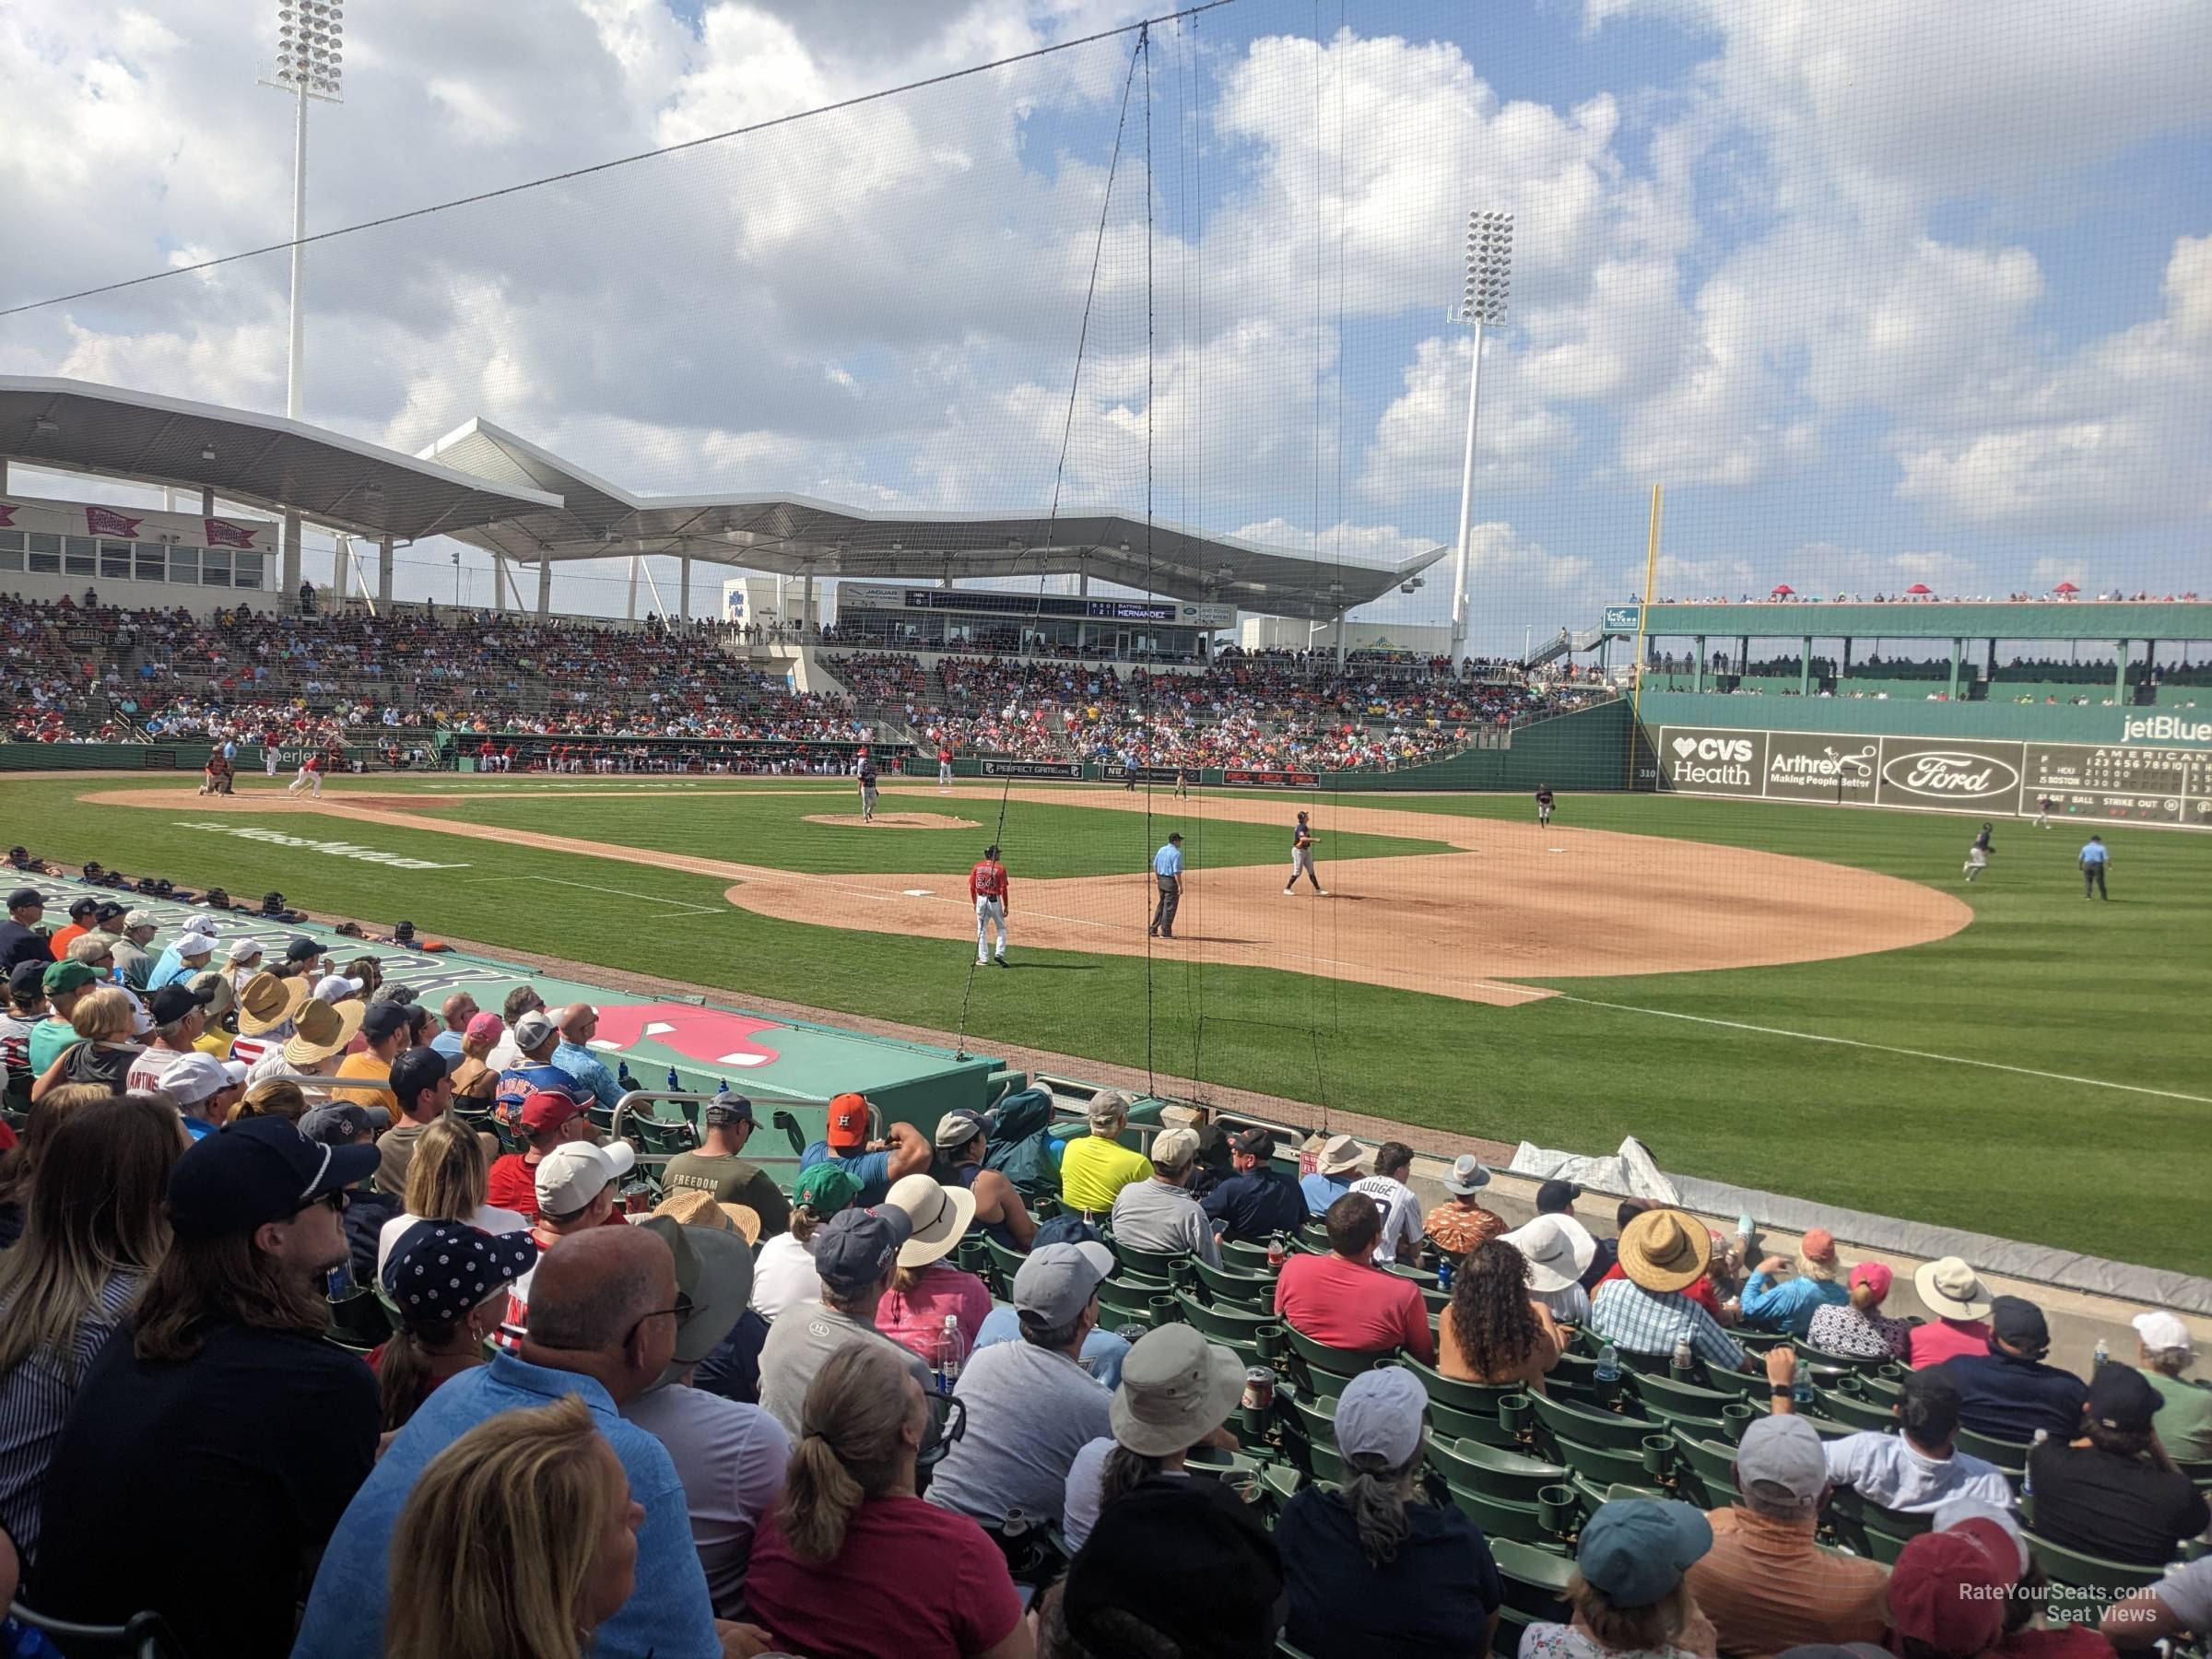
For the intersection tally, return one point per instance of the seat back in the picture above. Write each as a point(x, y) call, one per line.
point(1492, 1470)
point(1565, 1421)
point(1235, 1285)
point(2008, 1455)
point(1152, 1264)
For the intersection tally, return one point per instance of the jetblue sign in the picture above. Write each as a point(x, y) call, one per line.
point(1623, 618)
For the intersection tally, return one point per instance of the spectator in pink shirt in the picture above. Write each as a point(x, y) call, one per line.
point(1959, 1303)
point(925, 1287)
point(1341, 1299)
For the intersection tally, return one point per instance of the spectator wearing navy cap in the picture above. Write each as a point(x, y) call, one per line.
point(2114, 1492)
point(180, 1016)
point(449, 1281)
point(81, 912)
point(25, 1008)
point(422, 1090)
point(217, 1439)
point(718, 1167)
point(960, 1142)
point(1629, 1589)
point(1374, 1565)
point(367, 1211)
point(2008, 1393)
point(21, 938)
point(1258, 1201)
point(855, 1254)
point(384, 1037)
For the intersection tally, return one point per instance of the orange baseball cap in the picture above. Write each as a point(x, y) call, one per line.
point(848, 1122)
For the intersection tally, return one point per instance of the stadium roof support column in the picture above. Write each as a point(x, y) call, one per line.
point(1805, 666)
point(1958, 651)
point(1696, 667)
point(208, 502)
point(2120, 674)
point(499, 582)
point(288, 569)
point(544, 587)
point(806, 601)
point(384, 571)
point(683, 588)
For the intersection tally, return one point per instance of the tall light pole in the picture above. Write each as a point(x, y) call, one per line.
point(1481, 304)
point(310, 64)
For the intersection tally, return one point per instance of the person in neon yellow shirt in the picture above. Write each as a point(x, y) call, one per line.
point(1095, 1168)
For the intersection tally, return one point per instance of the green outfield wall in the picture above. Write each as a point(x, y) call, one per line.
point(1914, 715)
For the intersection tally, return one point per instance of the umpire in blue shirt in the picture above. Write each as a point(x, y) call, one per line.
point(1166, 870)
point(1259, 1200)
point(2094, 858)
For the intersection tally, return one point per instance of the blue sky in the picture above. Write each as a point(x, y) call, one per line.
point(1882, 293)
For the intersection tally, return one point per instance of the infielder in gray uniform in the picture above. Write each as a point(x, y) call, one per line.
point(1302, 858)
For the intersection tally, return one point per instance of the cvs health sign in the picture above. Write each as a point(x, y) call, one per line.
point(1711, 760)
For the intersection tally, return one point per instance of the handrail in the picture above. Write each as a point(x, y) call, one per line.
point(638, 1096)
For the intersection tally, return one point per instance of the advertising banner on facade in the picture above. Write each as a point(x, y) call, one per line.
point(1708, 760)
point(1801, 766)
point(995, 767)
point(1957, 776)
point(1260, 777)
point(1142, 774)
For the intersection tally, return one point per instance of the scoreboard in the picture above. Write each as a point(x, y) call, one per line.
point(2119, 783)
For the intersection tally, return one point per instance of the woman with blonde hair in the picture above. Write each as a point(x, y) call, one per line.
point(97, 1226)
point(271, 1097)
point(103, 1020)
point(519, 1537)
point(851, 1552)
point(18, 1166)
point(475, 1080)
point(1629, 1590)
point(447, 1179)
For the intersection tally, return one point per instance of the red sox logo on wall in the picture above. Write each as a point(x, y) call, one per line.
point(703, 1034)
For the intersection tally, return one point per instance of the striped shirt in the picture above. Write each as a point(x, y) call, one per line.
point(35, 1398)
point(1647, 1321)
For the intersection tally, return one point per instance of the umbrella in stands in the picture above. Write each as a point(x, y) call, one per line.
point(1920, 589)
point(1781, 590)
point(2066, 587)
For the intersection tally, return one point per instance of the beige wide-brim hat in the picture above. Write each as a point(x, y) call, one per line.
point(1339, 1155)
point(1176, 1389)
point(268, 1002)
point(693, 1206)
point(941, 1216)
point(1664, 1250)
point(320, 1031)
point(1950, 1289)
point(1558, 1250)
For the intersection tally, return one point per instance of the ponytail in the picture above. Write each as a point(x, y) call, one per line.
point(1376, 1494)
point(819, 1497)
point(1124, 1471)
point(402, 1380)
point(851, 1446)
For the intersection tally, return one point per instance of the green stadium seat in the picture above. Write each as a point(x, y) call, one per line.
point(2008, 1455)
point(1503, 1520)
point(1327, 1369)
point(1535, 1581)
point(1866, 1528)
point(1712, 1463)
point(1234, 1327)
point(1006, 1262)
point(1130, 1299)
point(2082, 1586)
point(1279, 1484)
point(1492, 1470)
point(1144, 1263)
point(1662, 1395)
point(1827, 1359)
point(1856, 1413)
point(1234, 1285)
point(1564, 1420)
point(1248, 1258)
point(1480, 1398)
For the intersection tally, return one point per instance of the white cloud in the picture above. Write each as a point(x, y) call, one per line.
point(1419, 442)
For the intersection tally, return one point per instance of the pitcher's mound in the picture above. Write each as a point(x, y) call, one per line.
point(896, 820)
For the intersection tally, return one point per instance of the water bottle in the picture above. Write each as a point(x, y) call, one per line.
point(2028, 1475)
point(948, 1353)
point(1443, 1273)
point(622, 1077)
point(1801, 1391)
point(2100, 1356)
point(1608, 1364)
point(676, 1084)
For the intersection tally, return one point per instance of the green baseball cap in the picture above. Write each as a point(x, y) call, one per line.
point(826, 1188)
point(69, 976)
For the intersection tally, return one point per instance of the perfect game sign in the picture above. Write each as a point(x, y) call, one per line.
point(2109, 783)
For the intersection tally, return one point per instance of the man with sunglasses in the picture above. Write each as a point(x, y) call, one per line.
point(218, 1437)
point(605, 1311)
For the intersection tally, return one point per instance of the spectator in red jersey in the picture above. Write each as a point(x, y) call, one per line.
point(1343, 1300)
point(547, 1120)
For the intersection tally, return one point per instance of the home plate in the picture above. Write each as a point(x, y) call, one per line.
point(918, 893)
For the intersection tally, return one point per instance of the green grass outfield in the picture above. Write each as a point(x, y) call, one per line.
point(2046, 1074)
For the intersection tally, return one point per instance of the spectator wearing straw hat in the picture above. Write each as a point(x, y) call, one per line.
point(1176, 1394)
point(1559, 1250)
point(1335, 1166)
point(319, 1035)
point(1096, 1167)
point(2184, 1419)
point(1629, 1589)
point(1258, 1202)
point(927, 1290)
point(730, 1456)
point(267, 1005)
point(1460, 1223)
point(1957, 1305)
point(718, 1169)
point(1772, 1302)
point(1030, 1406)
point(1343, 1299)
point(1662, 1253)
point(1765, 1584)
point(1375, 1565)
point(1855, 1327)
point(1159, 1214)
point(2115, 1491)
point(2007, 1392)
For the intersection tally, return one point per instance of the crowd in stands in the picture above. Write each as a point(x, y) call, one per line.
point(337, 1325)
point(2063, 595)
point(242, 675)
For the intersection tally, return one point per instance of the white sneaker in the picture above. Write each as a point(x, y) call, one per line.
point(1321, 892)
point(1286, 892)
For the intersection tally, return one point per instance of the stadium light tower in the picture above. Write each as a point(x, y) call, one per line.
point(309, 65)
point(1482, 304)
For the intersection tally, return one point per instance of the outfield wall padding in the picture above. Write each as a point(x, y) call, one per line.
point(1914, 716)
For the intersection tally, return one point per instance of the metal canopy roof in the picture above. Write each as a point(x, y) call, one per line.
point(795, 536)
point(264, 461)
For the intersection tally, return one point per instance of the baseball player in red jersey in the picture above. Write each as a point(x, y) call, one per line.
point(944, 768)
point(987, 886)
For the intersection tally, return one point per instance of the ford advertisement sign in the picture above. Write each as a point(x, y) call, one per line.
point(1920, 773)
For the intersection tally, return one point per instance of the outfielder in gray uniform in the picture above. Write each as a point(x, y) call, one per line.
point(1302, 858)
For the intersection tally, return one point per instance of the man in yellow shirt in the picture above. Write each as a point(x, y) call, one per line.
point(384, 1030)
point(214, 1040)
point(1095, 1168)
